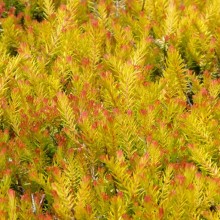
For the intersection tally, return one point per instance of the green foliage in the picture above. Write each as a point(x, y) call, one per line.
point(109, 109)
point(37, 12)
point(19, 5)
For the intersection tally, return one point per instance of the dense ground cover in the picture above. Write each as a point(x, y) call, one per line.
point(110, 109)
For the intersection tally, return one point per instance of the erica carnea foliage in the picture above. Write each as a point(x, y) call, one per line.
point(110, 109)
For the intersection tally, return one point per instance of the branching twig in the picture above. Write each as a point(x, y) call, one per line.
point(143, 5)
point(42, 200)
point(34, 209)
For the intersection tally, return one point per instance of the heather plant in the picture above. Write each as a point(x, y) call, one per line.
point(110, 109)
